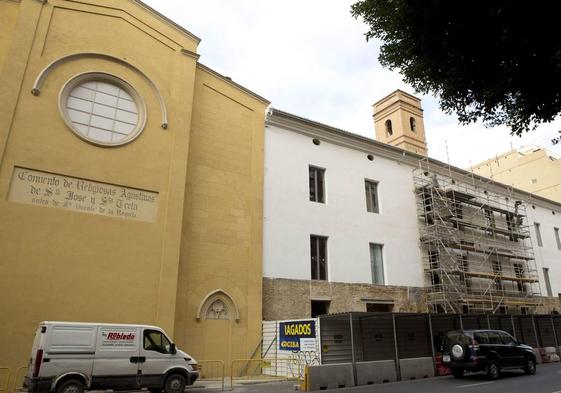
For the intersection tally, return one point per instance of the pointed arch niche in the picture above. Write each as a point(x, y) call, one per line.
point(218, 304)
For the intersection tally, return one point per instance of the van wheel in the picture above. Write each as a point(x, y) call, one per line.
point(71, 386)
point(174, 384)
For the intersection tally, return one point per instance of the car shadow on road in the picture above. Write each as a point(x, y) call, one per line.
point(480, 376)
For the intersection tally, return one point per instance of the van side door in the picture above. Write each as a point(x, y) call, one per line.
point(116, 363)
point(69, 349)
point(156, 352)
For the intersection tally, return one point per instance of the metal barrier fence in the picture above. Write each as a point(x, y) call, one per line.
point(404, 337)
point(212, 370)
point(261, 369)
point(18, 377)
point(5, 374)
point(7, 385)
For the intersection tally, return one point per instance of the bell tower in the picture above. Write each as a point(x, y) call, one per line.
point(398, 121)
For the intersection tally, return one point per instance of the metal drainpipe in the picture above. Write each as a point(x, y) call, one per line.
point(397, 368)
point(432, 345)
point(535, 331)
point(554, 333)
point(513, 327)
point(352, 346)
point(488, 322)
point(461, 322)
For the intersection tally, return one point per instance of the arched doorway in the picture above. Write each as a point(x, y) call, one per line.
point(217, 313)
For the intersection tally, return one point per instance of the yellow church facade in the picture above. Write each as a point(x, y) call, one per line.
point(131, 180)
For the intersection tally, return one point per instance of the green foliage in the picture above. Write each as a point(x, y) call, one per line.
point(495, 60)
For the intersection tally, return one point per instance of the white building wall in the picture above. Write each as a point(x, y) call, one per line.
point(290, 217)
point(548, 255)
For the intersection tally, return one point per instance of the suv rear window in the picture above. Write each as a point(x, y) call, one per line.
point(507, 338)
point(481, 338)
point(458, 337)
point(494, 338)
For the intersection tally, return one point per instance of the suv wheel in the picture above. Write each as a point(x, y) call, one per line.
point(493, 370)
point(175, 384)
point(458, 372)
point(530, 367)
point(71, 386)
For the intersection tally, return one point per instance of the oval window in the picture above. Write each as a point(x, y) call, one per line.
point(102, 109)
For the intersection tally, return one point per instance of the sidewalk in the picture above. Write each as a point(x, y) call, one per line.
point(248, 386)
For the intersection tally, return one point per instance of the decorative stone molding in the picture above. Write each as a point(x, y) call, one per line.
point(218, 304)
point(36, 90)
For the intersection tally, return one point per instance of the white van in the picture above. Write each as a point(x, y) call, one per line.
point(70, 357)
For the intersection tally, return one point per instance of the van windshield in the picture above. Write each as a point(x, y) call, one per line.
point(156, 341)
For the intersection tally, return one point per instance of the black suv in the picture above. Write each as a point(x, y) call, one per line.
point(486, 350)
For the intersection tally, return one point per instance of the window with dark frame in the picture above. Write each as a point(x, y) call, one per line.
point(412, 124)
point(321, 307)
point(556, 233)
point(389, 128)
point(538, 234)
point(318, 257)
point(547, 282)
point(377, 264)
point(317, 184)
point(371, 188)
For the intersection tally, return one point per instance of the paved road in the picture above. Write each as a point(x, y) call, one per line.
point(546, 380)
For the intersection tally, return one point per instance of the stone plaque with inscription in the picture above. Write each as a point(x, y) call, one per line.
point(82, 195)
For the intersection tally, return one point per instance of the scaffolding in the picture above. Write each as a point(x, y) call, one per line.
point(477, 251)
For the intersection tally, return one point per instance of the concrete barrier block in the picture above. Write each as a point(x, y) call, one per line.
point(330, 376)
point(380, 371)
point(550, 350)
point(416, 368)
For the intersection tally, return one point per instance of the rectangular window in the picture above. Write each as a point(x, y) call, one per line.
point(556, 232)
point(319, 307)
point(318, 247)
point(317, 184)
point(377, 264)
point(371, 196)
point(547, 283)
point(538, 234)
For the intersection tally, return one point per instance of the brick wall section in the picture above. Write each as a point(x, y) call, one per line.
point(289, 299)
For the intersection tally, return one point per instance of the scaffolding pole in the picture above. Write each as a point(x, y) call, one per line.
point(477, 251)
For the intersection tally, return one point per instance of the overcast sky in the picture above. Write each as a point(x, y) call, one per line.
point(310, 58)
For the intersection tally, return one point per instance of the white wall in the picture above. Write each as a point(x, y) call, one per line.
point(549, 255)
point(290, 217)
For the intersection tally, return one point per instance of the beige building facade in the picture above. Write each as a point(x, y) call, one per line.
point(131, 180)
point(530, 168)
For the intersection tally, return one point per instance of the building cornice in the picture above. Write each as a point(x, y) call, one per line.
point(167, 20)
point(232, 83)
point(370, 146)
